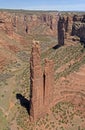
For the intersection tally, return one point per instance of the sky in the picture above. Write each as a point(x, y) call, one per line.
point(60, 5)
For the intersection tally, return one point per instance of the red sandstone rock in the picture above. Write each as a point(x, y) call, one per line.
point(78, 27)
point(48, 82)
point(9, 29)
point(69, 24)
point(36, 85)
point(6, 23)
point(42, 85)
point(61, 30)
point(45, 23)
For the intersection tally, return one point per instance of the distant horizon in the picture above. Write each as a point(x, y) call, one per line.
point(18, 9)
point(45, 5)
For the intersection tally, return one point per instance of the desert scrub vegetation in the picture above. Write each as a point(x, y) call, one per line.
point(3, 122)
point(71, 68)
point(63, 112)
point(23, 119)
point(24, 122)
point(4, 77)
point(23, 81)
point(65, 55)
point(23, 56)
point(26, 77)
point(66, 113)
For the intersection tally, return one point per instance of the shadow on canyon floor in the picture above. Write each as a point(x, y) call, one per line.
point(24, 102)
point(56, 47)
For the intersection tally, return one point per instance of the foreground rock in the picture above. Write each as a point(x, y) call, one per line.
point(41, 84)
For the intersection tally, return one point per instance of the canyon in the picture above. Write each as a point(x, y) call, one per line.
point(42, 65)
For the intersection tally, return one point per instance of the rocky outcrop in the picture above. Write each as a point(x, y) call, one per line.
point(9, 28)
point(69, 23)
point(28, 23)
point(61, 31)
point(41, 84)
point(70, 26)
point(41, 23)
point(78, 27)
point(48, 82)
point(79, 30)
point(79, 18)
point(49, 20)
point(36, 84)
point(6, 23)
point(44, 23)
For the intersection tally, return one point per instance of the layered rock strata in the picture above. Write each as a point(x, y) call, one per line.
point(48, 81)
point(36, 82)
point(78, 27)
point(61, 31)
point(41, 84)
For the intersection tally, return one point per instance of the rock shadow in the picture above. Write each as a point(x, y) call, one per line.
point(56, 47)
point(24, 102)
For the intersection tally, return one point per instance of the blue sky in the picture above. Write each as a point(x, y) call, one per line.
point(78, 5)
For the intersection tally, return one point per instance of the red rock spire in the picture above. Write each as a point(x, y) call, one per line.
point(36, 77)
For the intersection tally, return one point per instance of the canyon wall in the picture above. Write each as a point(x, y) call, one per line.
point(28, 22)
point(43, 23)
point(71, 25)
point(78, 27)
point(6, 23)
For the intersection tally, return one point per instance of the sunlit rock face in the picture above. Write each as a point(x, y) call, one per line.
point(41, 84)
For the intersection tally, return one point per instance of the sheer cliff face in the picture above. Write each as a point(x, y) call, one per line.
point(36, 82)
point(64, 28)
point(78, 27)
point(6, 23)
point(34, 23)
point(44, 23)
point(61, 31)
point(41, 84)
point(71, 25)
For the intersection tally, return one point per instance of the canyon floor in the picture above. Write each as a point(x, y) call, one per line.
point(68, 110)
